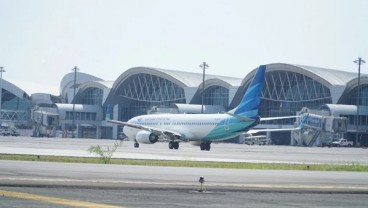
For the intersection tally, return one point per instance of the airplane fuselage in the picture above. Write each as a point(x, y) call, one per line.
point(193, 127)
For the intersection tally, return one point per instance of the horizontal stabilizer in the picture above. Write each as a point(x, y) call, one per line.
point(242, 118)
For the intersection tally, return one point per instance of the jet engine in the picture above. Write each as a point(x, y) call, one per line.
point(146, 137)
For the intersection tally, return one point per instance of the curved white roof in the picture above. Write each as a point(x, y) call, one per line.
point(354, 82)
point(327, 77)
point(68, 81)
point(181, 78)
point(106, 84)
point(14, 89)
point(333, 76)
point(103, 85)
point(96, 84)
point(195, 79)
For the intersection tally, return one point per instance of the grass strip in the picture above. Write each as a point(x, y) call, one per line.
point(199, 164)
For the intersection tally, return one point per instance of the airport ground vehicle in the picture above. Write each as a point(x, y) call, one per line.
point(8, 132)
point(261, 140)
point(4, 132)
point(342, 143)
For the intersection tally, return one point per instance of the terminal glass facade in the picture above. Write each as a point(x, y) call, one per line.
point(363, 101)
point(145, 91)
point(12, 102)
point(363, 98)
point(14, 109)
point(93, 96)
point(217, 95)
point(285, 93)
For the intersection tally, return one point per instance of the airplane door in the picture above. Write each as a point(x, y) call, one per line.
point(226, 125)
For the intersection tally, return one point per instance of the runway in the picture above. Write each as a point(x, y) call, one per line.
point(44, 184)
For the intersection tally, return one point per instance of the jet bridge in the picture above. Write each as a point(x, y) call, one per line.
point(319, 129)
point(44, 123)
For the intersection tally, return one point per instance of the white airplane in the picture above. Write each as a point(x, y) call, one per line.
point(199, 129)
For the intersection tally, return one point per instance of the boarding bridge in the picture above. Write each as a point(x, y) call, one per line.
point(44, 123)
point(319, 129)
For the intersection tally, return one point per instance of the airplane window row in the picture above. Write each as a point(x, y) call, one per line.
point(193, 123)
point(178, 123)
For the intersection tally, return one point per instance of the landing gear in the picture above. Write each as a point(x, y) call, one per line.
point(205, 146)
point(173, 145)
point(176, 145)
point(136, 145)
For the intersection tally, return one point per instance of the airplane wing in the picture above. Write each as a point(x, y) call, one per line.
point(253, 131)
point(277, 118)
point(243, 118)
point(156, 131)
point(301, 126)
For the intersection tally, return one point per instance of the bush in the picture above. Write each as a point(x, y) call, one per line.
point(105, 155)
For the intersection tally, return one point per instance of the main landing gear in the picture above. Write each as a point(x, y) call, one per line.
point(136, 145)
point(205, 146)
point(173, 145)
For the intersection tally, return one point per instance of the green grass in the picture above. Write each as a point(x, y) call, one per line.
point(171, 163)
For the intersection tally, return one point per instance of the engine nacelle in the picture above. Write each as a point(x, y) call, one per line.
point(146, 137)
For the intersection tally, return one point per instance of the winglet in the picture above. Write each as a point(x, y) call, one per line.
point(303, 121)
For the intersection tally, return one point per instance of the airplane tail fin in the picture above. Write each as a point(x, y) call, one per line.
point(252, 98)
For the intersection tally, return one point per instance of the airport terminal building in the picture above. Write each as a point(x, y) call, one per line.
point(287, 90)
point(15, 106)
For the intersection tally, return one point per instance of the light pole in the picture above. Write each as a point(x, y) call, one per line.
point(75, 69)
point(203, 66)
point(359, 61)
point(1, 91)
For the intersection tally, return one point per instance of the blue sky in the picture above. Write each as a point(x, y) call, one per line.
point(42, 40)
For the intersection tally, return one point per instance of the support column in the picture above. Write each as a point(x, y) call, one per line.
point(268, 134)
point(98, 132)
point(115, 116)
